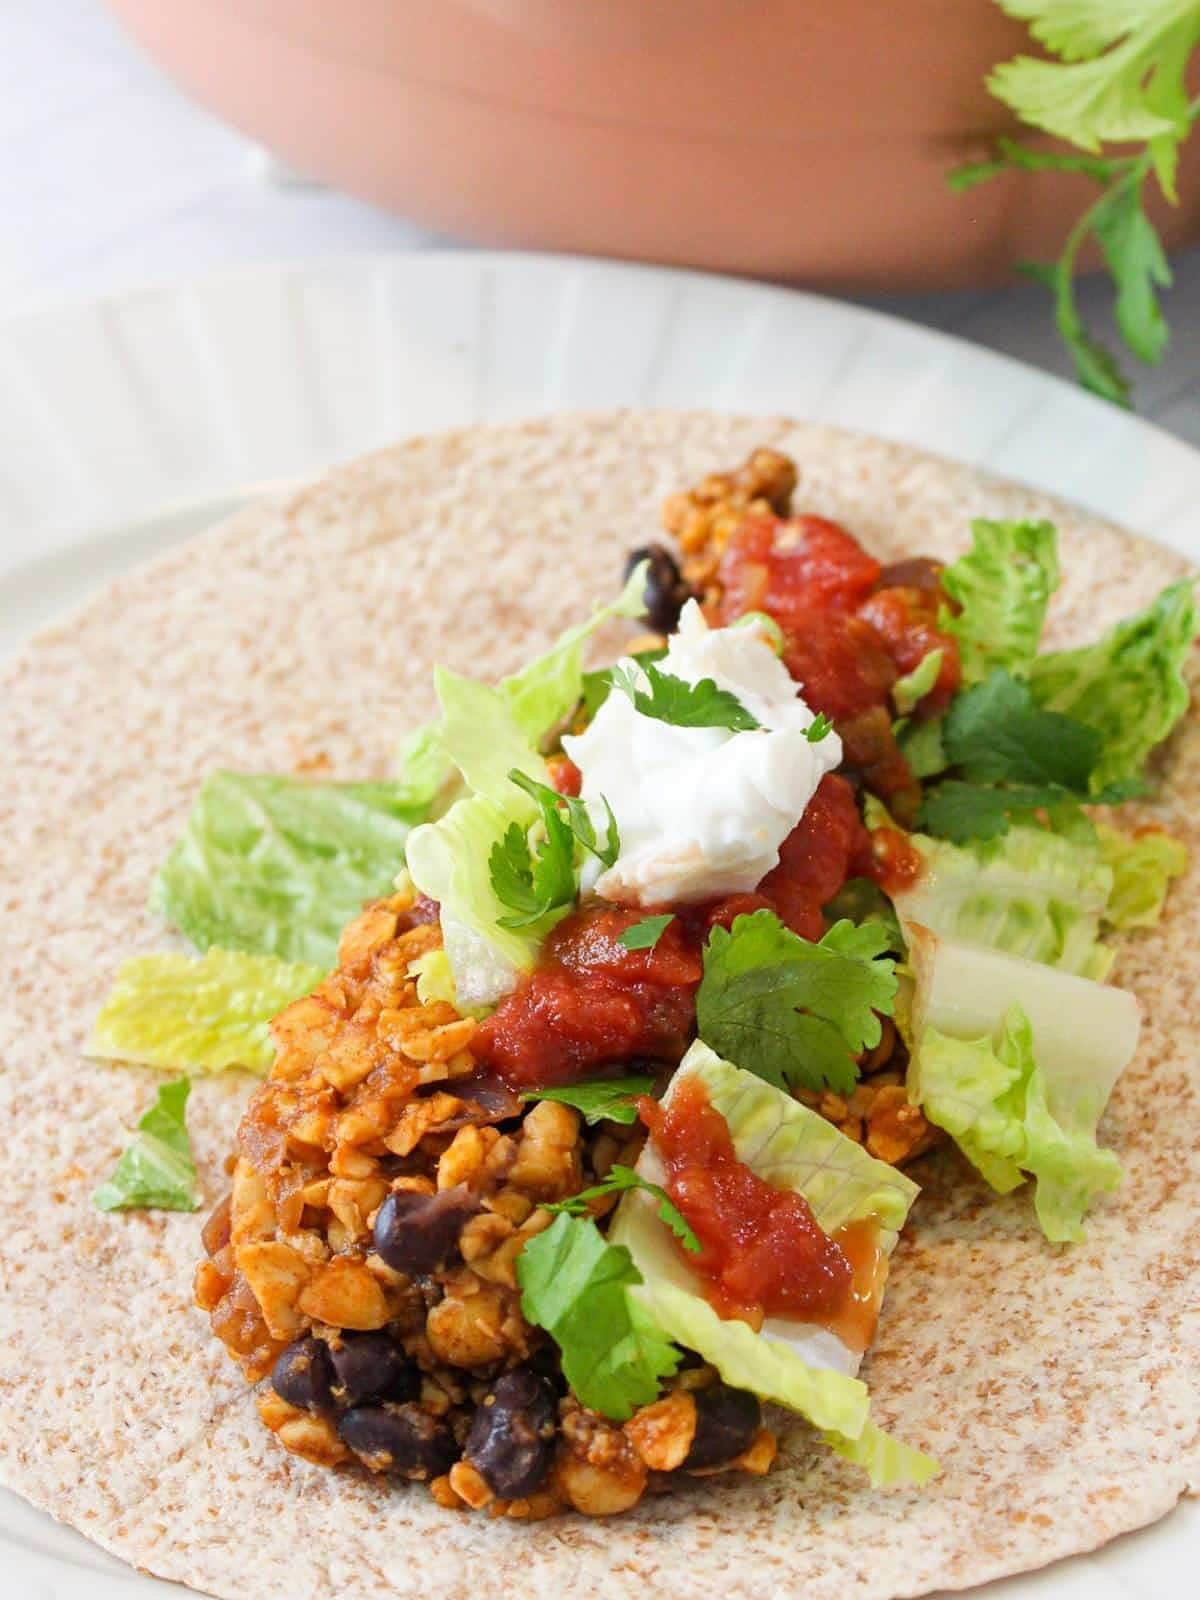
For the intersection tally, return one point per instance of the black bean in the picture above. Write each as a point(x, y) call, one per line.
point(511, 1442)
point(667, 590)
point(399, 1438)
point(417, 1233)
point(301, 1375)
point(726, 1422)
point(371, 1366)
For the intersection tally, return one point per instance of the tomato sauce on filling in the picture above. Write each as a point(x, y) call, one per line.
point(763, 1253)
point(851, 628)
point(590, 1001)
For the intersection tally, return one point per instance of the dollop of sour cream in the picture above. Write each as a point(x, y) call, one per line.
point(702, 812)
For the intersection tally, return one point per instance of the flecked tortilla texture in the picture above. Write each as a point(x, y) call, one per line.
point(1058, 1387)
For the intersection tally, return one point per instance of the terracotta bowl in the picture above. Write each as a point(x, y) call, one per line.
point(786, 138)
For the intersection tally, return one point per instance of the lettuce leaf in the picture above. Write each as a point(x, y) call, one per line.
point(276, 866)
point(1003, 587)
point(992, 1097)
point(1129, 686)
point(889, 1463)
point(546, 691)
point(202, 1014)
point(801, 1366)
point(1142, 867)
point(488, 732)
point(1017, 1061)
point(156, 1170)
point(792, 1147)
point(1029, 892)
point(911, 689)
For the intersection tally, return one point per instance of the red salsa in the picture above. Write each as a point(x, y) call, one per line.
point(591, 1001)
point(851, 629)
point(762, 1252)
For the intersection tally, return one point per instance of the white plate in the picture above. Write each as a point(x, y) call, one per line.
point(181, 397)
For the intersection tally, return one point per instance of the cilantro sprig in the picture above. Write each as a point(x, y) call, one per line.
point(619, 1180)
point(576, 1285)
point(644, 935)
point(795, 1013)
point(684, 705)
point(1009, 756)
point(605, 1100)
point(1120, 78)
point(535, 880)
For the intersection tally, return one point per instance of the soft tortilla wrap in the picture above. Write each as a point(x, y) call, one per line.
point(1058, 1387)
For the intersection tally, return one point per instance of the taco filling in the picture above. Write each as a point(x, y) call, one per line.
point(593, 1143)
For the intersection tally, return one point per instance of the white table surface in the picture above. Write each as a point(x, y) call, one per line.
point(110, 179)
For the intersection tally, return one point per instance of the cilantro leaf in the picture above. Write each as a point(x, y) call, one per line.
point(621, 1178)
point(156, 1170)
point(597, 685)
point(962, 811)
point(795, 1013)
point(533, 885)
point(996, 733)
point(1012, 156)
point(644, 935)
point(684, 705)
point(1134, 256)
point(578, 817)
point(819, 728)
point(1122, 76)
point(605, 1100)
point(576, 1286)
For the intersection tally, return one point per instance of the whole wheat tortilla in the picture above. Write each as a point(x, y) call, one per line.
point(1058, 1387)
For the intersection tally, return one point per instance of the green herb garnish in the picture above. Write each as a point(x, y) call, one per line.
point(644, 935)
point(605, 1100)
point(1121, 78)
point(576, 1286)
point(795, 1013)
point(684, 705)
point(620, 1179)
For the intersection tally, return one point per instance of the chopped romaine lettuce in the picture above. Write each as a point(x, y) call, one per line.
point(922, 746)
point(991, 1096)
point(198, 1013)
point(1030, 892)
point(888, 1462)
point(1003, 586)
point(911, 689)
point(1142, 867)
point(547, 690)
point(422, 768)
point(1129, 686)
point(156, 1171)
point(1017, 1061)
point(802, 1366)
point(277, 866)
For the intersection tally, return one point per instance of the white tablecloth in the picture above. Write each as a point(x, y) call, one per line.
point(109, 179)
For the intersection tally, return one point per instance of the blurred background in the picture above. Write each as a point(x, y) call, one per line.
point(470, 121)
